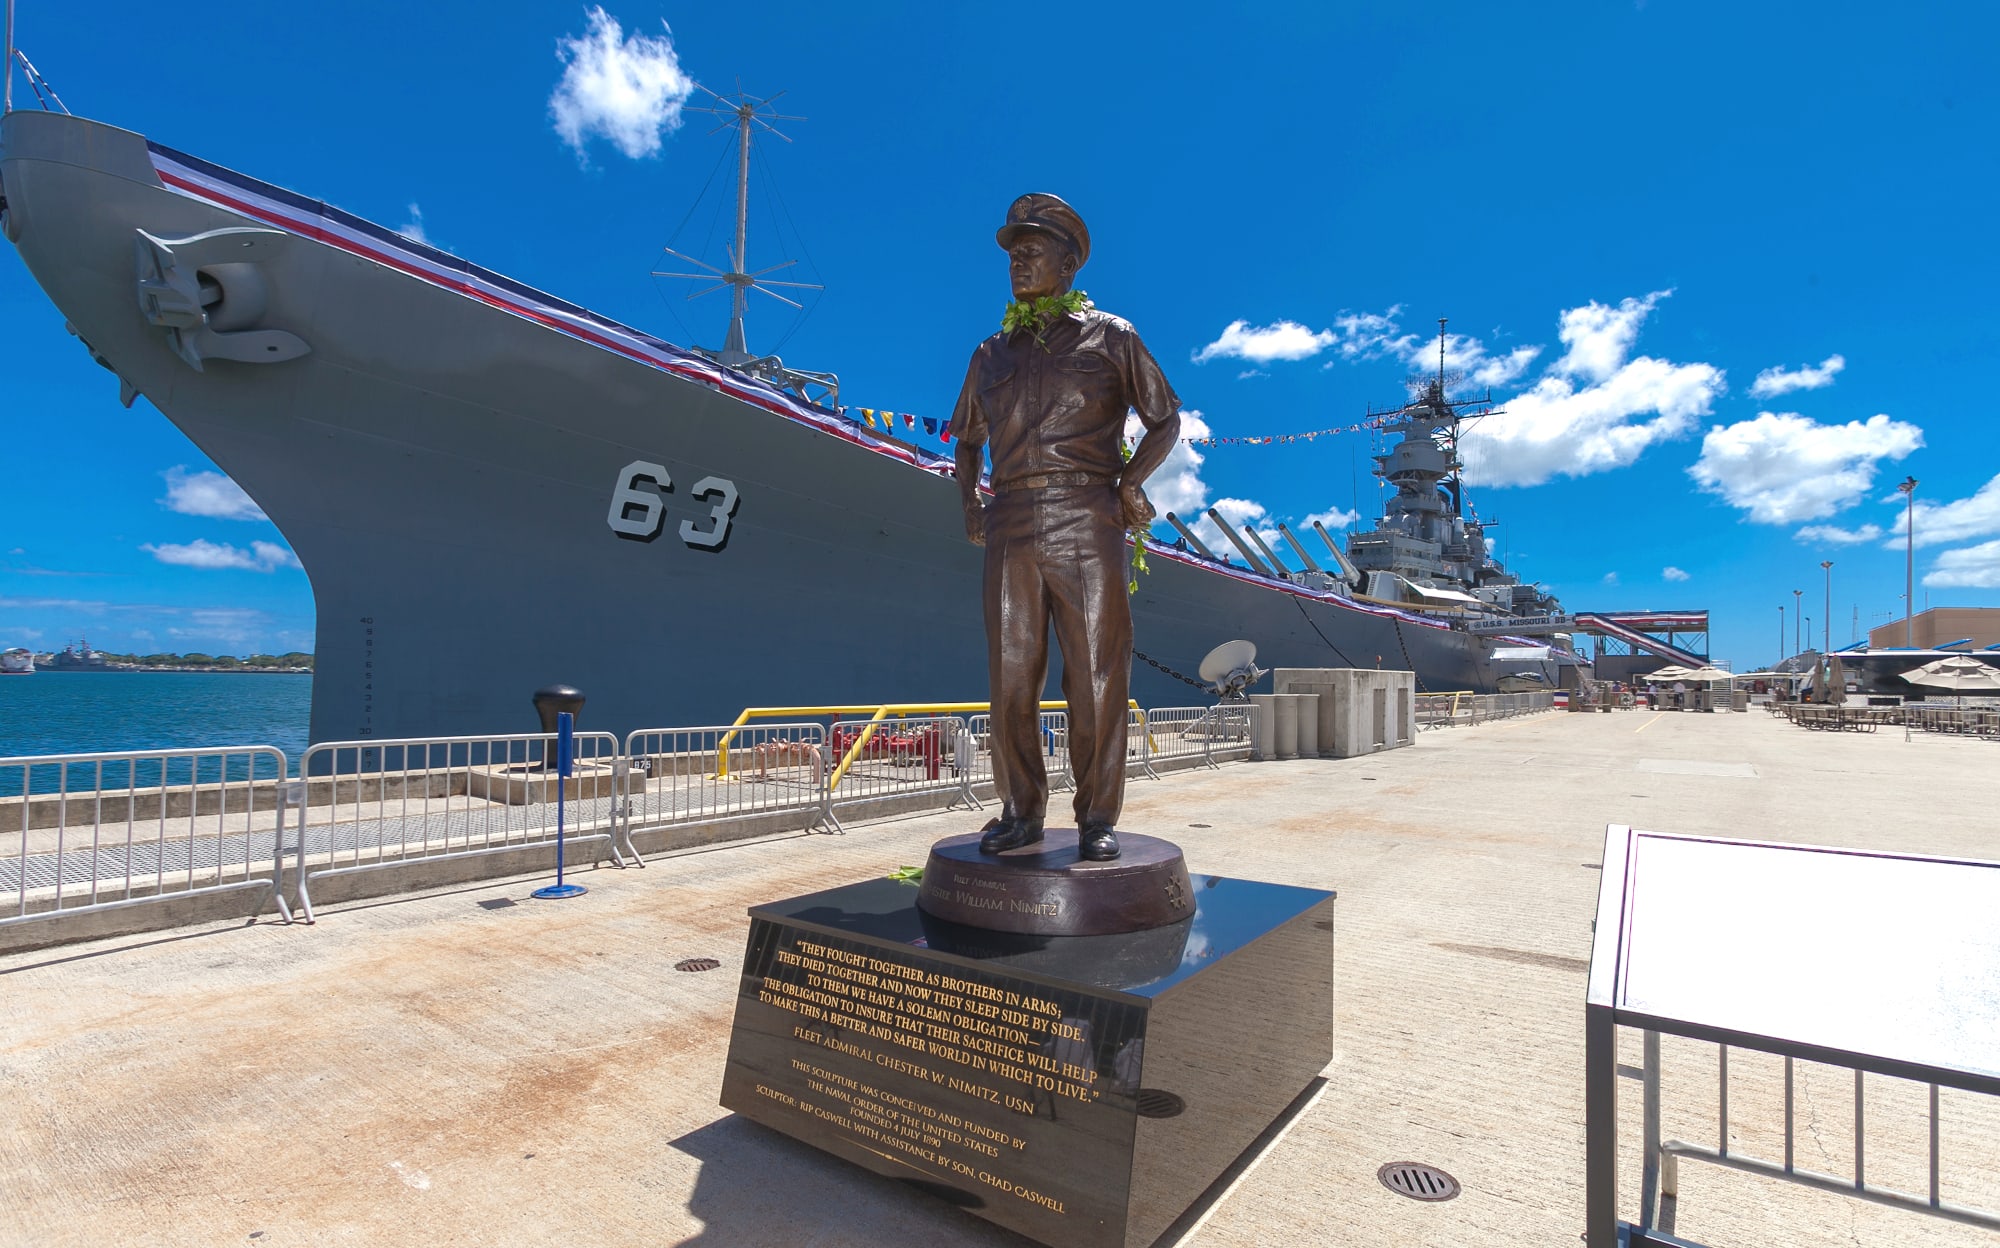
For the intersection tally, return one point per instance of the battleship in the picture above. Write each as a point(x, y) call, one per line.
point(490, 488)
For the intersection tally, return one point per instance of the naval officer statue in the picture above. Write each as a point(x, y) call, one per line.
point(1049, 394)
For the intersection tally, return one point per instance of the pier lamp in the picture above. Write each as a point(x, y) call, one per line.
point(1798, 624)
point(1826, 645)
point(1908, 489)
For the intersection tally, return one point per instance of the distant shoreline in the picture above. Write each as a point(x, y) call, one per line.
point(128, 670)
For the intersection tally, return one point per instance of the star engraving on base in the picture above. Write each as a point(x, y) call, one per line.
point(1174, 894)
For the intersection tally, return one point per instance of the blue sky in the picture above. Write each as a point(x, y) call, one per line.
point(1730, 267)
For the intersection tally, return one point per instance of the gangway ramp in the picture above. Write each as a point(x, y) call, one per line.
point(1642, 630)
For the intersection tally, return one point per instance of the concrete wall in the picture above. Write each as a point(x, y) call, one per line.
point(1360, 710)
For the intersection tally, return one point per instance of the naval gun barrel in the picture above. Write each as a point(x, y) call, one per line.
point(1347, 569)
point(1236, 540)
point(1297, 549)
point(1276, 564)
point(1194, 543)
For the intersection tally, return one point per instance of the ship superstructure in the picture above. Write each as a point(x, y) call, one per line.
point(1430, 546)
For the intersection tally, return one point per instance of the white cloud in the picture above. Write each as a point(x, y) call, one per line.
point(1673, 574)
point(413, 229)
point(1176, 485)
point(208, 494)
point(1599, 336)
point(626, 90)
point(1773, 382)
point(1838, 536)
point(1370, 335)
point(1940, 523)
point(1555, 428)
point(1334, 518)
point(1783, 468)
point(202, 553)
point(1610, 578)
point(1261, 344)
point(1373, 336)
point(1583, 414)
point(1974, 567)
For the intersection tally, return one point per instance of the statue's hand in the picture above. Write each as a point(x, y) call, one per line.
point(975, 524)
point(1138, 510)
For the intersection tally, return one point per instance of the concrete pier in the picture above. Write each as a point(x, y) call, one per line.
point(473, 1067)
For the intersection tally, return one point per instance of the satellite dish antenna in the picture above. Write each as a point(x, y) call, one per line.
point(1231, 668)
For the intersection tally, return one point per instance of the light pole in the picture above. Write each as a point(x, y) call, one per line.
point(1798, 624)
point(1908, 489)
point(1781, 633)
point(1826, 646)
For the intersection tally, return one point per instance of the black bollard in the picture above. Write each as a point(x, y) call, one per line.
point(551, 701)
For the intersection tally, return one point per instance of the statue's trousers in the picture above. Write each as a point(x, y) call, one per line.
point(1058, 556)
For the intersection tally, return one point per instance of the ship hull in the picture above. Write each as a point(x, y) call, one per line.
point(444, 462)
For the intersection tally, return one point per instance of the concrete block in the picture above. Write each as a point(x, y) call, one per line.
point(1308, 724)
point(1285, 725)
point(1360, 710)
point(1263, 718)
point(526, 784)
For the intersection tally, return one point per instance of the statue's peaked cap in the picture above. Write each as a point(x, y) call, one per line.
point(1046, 214)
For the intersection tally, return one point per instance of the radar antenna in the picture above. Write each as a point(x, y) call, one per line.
point(746, 114)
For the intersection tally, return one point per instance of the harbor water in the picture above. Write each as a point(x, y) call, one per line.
point(99, 712)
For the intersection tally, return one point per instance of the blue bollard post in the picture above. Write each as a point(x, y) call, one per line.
point(565, 764)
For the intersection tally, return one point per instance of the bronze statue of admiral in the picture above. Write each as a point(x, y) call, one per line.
point(1049, 396)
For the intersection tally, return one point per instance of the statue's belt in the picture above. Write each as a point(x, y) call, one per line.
point(1050, 481)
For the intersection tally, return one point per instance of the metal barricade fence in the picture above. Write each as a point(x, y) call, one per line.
point(1436, 710)
point(1055, 748)
point(881, 758)
point(375, 805)
point(1196, 731)
point(81, 832)
point(684, 775)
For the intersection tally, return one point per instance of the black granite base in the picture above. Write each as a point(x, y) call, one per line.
point(1082, 1090)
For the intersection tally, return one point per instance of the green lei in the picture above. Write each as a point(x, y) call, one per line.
point(1037, 315)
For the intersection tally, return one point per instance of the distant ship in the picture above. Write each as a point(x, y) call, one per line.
point(18, 661)
point(77, 658)
point(491, 488)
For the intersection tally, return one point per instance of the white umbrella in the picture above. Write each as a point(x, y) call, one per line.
point(1960, 673)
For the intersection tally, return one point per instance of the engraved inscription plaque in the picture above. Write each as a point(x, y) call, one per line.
point(1083, 1091)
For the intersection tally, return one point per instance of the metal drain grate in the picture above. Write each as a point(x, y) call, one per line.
point(1417, 1181)
point(696, 964)
point(1157, 1103)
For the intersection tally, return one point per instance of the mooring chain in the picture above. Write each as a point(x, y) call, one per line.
point(1180, 676)
point(1405, 647)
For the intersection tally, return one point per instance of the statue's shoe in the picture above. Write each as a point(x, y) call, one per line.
point(1097, 844)
point(1005, 834)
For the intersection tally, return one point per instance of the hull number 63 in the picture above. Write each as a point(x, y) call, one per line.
point(639, 514)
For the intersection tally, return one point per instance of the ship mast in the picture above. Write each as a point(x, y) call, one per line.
point(745, 113)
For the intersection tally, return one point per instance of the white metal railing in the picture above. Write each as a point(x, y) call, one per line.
point(1436, 710)
point(894, 756)
point(1660, 1175)
point(82, 832)
point(376, 805)
point(1055, 749)
point(1189, 731)
point(685, 775)
point(85, 831)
